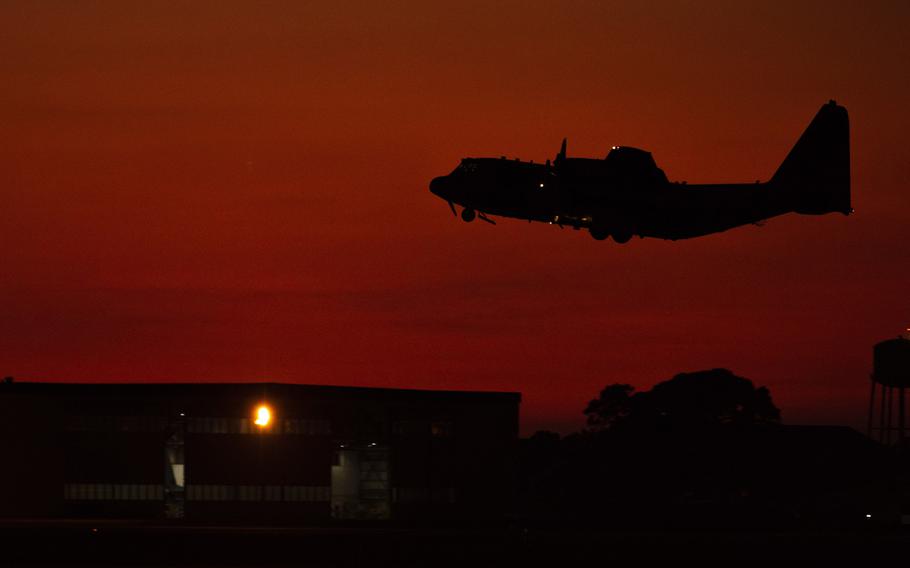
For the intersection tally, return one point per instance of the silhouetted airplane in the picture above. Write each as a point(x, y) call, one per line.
point(626, 194)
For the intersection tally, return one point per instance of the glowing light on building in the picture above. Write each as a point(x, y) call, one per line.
point(263, 416)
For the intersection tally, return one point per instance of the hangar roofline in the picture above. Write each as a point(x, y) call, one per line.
point(248, 388)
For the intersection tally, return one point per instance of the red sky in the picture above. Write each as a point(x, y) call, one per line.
point(238, 191)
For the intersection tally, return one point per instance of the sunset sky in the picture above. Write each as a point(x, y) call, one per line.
point(238, 191)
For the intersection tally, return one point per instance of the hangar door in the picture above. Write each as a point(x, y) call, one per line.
point(360, 483)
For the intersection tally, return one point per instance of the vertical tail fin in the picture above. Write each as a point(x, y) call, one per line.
point(561, 156)
point(816, 172)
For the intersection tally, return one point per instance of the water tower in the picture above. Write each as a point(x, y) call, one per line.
point(890, 371)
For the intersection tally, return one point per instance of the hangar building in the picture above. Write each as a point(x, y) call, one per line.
point(255, 452)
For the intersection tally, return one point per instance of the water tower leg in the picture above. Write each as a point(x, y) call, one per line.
point(900, 417)
point(881, 415)
point(890, 406)
point(871, 408)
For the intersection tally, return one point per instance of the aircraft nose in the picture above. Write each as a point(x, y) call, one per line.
point(438, 186)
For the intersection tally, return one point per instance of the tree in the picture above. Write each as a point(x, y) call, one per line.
point(702, 398)
point(612, 406)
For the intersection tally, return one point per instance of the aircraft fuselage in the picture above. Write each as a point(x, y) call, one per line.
point(626, 194)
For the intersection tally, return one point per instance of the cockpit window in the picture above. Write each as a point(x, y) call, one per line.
point(465, 167)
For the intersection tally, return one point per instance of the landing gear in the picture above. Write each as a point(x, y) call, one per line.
point(468, 215)
point(599, 233)
point(622, 237)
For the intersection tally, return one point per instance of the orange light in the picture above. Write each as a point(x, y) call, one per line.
point(263, 416)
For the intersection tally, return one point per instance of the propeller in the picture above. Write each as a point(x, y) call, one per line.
point(452, 207)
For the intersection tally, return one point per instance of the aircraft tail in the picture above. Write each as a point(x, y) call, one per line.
point(816, 172)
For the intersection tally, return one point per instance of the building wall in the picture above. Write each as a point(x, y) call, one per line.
point(32, 472)
point(97, 453)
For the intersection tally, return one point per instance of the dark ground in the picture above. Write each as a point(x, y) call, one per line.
point(136, 544)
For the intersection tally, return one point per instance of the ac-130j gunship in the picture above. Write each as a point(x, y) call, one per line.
point(626, 194)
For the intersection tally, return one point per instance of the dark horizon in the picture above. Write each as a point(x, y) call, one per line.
point(241, 194)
